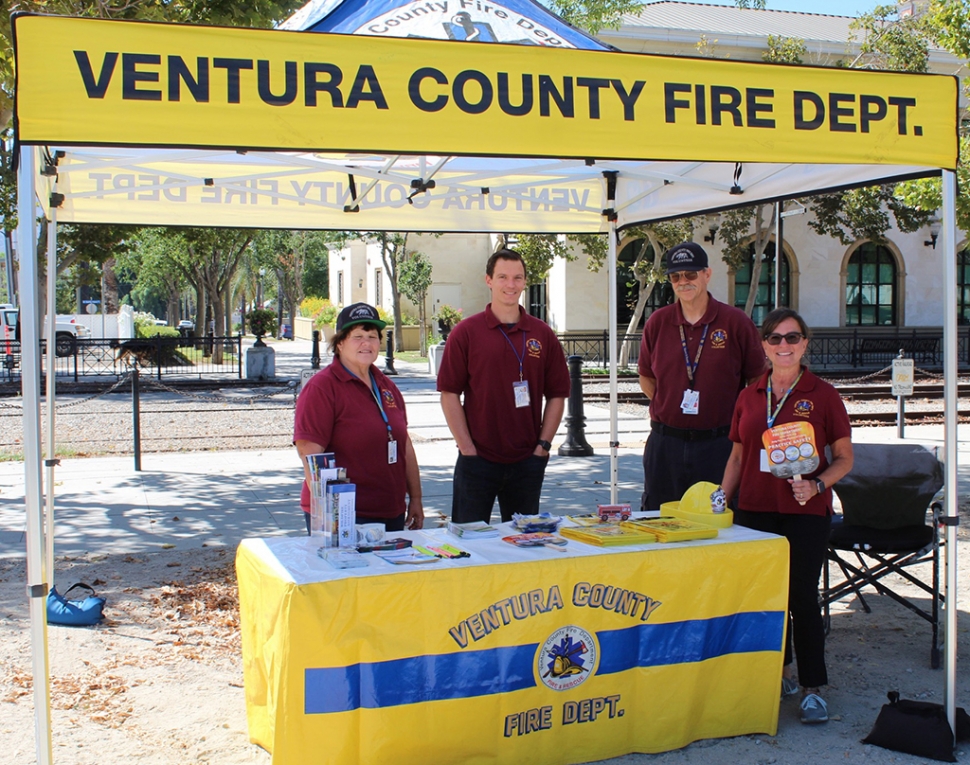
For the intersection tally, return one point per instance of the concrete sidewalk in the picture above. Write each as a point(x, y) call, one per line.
point(183, 500)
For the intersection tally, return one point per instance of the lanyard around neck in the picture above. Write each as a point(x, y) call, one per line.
point(692, 368)
point(518, 356)
point(376, 394)
point(773, 417)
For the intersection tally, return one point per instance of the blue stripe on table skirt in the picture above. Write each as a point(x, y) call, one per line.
point(500, 670)
point(655, 645)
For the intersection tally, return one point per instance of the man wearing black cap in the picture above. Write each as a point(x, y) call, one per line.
point(696, 356)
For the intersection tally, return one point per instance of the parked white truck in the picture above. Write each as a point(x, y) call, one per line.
point(67, 332)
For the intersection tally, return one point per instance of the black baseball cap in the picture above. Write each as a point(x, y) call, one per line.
point(686, 256)
point(359, 313)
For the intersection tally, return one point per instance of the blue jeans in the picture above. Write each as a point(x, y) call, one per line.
point(478, 482)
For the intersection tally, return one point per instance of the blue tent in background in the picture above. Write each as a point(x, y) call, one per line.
point(520, 22)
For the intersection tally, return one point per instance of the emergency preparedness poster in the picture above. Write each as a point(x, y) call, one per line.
point(86, 81)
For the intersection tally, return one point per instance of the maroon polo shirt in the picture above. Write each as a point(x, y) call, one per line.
point(732, 355)
point(337, 410)
point(814, 401)
point(481, 362)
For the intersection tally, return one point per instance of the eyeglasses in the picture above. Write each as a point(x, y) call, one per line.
point(791, 338)
point(676, 276)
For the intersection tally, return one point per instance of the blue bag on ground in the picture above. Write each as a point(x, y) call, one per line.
point(76, 613)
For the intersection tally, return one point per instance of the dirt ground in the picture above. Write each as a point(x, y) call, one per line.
point(160, 681)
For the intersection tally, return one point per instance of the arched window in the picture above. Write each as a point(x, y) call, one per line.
point(765, 298)
point(870, 287)
point(963, 287)
point(628, 289)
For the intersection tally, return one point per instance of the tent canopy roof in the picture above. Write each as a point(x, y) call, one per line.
point(172, 125)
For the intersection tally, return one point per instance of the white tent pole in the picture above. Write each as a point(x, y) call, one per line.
point(949, 238)
point(614, 404)
point(33, 488)
point(51, 362)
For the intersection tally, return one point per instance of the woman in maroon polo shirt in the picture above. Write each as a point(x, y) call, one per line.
point(800, 510)
point(353, 410)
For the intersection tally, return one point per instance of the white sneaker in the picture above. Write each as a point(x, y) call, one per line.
point(788, 687)
point(814, 710)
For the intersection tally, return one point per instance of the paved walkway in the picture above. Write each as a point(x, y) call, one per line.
point(184, 500)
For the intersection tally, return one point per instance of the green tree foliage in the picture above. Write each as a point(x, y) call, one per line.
point(595, 15)
point(539, 251)
point(286, 254)
point(889, 42)
point(415, 281)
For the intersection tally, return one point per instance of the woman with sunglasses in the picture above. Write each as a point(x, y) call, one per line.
point(799, 510)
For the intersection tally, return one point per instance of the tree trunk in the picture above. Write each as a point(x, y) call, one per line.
point(422, 320)
point(646, 290)
point(761, 237)
point(109, 287)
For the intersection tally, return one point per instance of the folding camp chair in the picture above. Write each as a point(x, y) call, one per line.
point(884, 529)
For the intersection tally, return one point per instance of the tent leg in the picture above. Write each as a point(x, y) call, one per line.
point(51, 364)
point(614, 436)
point(33, 487)
point(951, 506)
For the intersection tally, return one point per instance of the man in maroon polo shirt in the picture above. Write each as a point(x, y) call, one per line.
point(696, 356)
point(505, 363)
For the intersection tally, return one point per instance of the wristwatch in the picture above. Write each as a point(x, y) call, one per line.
point(820, 485)
point(544, 444)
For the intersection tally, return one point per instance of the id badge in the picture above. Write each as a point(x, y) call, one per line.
point(690, 402)
point(520, 390)
point(391, 452)
point(765, 467)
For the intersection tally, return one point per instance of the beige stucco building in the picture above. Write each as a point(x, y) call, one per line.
point(897, 284)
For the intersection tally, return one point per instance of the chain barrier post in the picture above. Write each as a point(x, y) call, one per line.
point(576, 444)
point(389, 359)
point(136, 415)
point(315, 353)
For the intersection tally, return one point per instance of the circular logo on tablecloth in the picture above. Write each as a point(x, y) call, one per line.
point(567, 658)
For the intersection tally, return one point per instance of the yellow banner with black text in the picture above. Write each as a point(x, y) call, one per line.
point(85, 81)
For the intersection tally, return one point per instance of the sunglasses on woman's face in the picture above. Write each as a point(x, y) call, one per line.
point(675, 277)
point(791, 338)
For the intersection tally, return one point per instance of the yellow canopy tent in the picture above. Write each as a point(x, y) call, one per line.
point(154, 124)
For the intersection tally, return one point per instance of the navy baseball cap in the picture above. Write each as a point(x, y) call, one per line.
point(359, 313)
point(687, 256)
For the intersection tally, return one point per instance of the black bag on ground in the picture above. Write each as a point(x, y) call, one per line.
point(917, 727)
point(75, 613)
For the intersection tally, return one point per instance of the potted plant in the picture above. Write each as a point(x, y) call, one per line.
point(447, 318)
point(261, 322)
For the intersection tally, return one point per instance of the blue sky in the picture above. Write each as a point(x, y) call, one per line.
point(833, 7)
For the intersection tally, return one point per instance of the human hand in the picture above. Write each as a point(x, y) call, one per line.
point(414, 520)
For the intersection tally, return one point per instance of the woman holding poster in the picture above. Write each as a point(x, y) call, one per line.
point(778, 469)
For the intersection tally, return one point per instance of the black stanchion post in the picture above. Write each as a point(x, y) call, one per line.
point(136, 415)
point(389, 360)
point(315, 353)
point(575, 445)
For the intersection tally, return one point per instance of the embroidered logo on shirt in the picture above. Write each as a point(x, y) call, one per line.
point(718, 338)
point(534, 347)
point(389, 401)
point(803, 408)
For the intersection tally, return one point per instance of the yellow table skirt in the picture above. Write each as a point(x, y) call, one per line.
point(511, 655)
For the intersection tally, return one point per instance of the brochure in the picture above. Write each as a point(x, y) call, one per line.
point(473, 530)
point(668, 529)
point(609, 535)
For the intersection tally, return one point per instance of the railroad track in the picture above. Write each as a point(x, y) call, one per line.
point(850, 393)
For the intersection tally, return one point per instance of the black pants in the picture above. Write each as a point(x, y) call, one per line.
point(672, 465)
point(479, 482)
point(808, 537)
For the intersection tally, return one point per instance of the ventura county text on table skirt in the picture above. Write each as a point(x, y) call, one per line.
point(511, 655)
